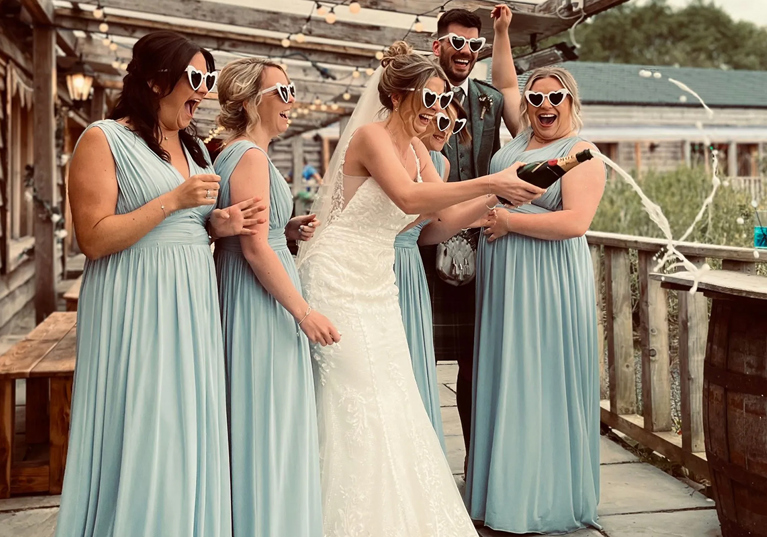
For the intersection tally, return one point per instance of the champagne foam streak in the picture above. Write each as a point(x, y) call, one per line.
point(684, 87)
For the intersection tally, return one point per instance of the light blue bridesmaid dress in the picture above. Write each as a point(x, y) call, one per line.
point(534, 455)
point(148, 451)
point(415, 303)
point(272, 414)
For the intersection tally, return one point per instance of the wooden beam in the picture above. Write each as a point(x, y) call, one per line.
point(98, 104)
point(67, 42)
point(220, 40)
point(591, 8)
point(45, 168)
point(273, 21)
point(431, 7)
point(41, 11)
point(620, 342)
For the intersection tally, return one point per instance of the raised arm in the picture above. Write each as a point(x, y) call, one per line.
point(504, 74)
point(369, 150)
point(93, 198)
point(251, 179)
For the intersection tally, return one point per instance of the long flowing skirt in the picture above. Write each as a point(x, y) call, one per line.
point(534, 457)
point(148, 451)
point(415, 304)
point(273, 422)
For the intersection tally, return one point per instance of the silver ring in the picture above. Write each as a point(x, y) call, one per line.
point(207, 194)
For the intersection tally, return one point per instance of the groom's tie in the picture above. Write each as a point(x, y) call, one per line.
point(459, 94)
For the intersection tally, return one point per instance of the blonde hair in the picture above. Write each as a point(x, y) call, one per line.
point(239, 83)
point(567, 80)
point(403, 69)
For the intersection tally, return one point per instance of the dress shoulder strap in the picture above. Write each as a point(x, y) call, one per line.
point(417, 165)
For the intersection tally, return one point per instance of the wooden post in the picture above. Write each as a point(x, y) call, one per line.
point(61, 401)
point(620, 344)
point(638, 157)
point(298, 163)
point(45, 168)
point(7, 426)
point(596, 261)
point(732, 160)
point(653, 334)
point(98, 104)
point(693, 331)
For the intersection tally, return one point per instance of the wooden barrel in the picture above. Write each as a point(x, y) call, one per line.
point(735, 414)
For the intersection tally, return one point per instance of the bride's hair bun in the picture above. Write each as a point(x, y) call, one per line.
point(405, 70)
point(398, 48)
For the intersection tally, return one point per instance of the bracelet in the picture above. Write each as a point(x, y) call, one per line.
point(165, 215)
point(308, 311)
point(487, 206)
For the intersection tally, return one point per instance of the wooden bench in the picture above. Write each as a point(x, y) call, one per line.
point(72, 296)
point(34, 462)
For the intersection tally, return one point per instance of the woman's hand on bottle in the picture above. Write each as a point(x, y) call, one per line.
point(198, 190)
point(238, 219)
point(515, 190)
point(319, 329)
point(496, 224)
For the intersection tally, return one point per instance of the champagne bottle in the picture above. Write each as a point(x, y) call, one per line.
point(545, 173)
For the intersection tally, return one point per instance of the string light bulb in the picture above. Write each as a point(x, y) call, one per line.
point(330, 18)
point(285, 42)
point(441, 12)
point(116, 64)
point(312, 107)
point(103, 27)
point(113, 46)
point(379, 55)
point(124, 66)
point(317, 101)
point(418, 26)
point(106, 41)
point(98, 12)
point(347, 96)
point(334, 106)
point(323, 107)
point(355, 74)
point(354, 8)
point(321, 10)
point(299, 37)
point(369, 71)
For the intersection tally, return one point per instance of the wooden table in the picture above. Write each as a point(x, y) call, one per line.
point(734, 395)
point(34, 462)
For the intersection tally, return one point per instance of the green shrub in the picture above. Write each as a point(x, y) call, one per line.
point(680, 194)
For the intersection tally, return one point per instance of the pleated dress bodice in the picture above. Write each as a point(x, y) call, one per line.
point(272, 414)
point(148, 451)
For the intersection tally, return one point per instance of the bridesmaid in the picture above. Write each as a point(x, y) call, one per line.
point(534, 454)
point(148, 451)
point(414, 298)
point(272, 415)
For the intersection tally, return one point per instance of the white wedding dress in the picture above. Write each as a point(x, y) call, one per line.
point(383, 471)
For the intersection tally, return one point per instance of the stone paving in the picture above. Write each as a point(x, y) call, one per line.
point(638, 500)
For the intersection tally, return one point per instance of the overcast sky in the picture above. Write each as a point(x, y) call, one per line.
point(751, 10)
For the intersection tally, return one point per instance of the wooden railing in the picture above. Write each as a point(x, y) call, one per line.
point(613, 258)
point(755, 186)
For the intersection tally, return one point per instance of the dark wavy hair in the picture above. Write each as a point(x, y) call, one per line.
point(461, 17)
point(159, 60)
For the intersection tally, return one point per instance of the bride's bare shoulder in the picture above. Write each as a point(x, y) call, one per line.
point(367, 135)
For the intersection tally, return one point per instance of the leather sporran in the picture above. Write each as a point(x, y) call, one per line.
point(457, 258)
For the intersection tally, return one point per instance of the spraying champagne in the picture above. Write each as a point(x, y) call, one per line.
point(545, 173)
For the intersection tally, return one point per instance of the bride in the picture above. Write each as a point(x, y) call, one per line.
point(383, 470)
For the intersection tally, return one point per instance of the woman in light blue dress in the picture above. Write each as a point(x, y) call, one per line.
point(534, 454)
point(272, 414)
point(148, 452)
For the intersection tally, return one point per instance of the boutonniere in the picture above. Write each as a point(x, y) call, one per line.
point(485, 103)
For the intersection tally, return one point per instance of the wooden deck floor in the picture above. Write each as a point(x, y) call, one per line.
point(638, 500)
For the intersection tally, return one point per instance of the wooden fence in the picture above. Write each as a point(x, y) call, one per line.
point(612, 256)
point(755, 186)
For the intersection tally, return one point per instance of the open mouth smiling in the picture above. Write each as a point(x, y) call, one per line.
point(425, 118)
point(191, 106)
point(547, 120)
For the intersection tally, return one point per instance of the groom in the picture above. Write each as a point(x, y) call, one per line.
point(454, 306)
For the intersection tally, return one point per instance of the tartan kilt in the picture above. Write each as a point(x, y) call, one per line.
point(453, 310)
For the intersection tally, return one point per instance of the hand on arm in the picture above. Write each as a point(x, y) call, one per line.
point(249, 180)
point(93, 197)
point(504, 74)
point(582, 189)
point(237, 219)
